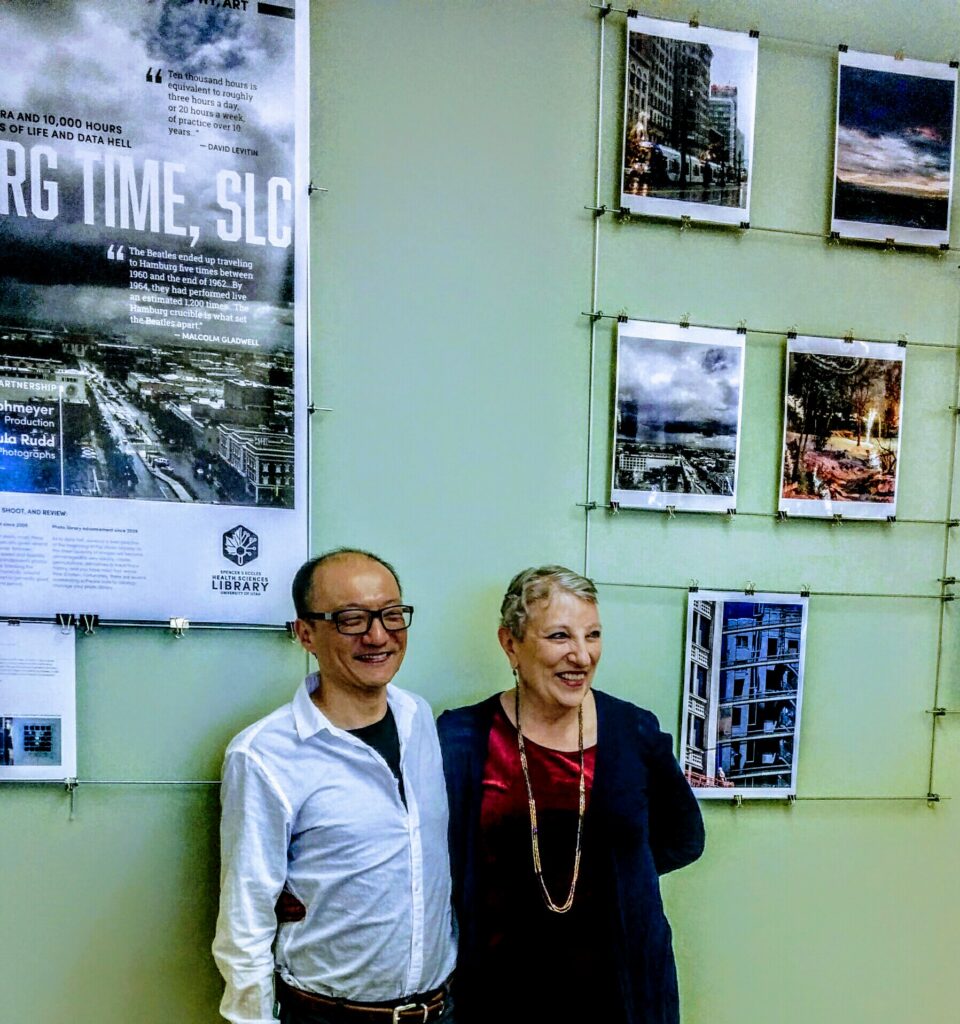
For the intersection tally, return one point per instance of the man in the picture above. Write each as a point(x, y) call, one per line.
point(338, 800)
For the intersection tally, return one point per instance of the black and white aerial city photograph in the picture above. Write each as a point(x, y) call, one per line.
point(677, 419)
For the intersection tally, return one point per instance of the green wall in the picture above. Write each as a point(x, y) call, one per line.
point(452, 257)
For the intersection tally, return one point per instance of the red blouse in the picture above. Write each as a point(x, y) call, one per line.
point(530, 948)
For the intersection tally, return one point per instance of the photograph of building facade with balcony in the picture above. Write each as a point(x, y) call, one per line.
point(688, 121)
point(743, 684)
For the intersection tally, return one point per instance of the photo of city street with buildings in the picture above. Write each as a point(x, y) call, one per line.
point(688, 119)
point(743, 683)
point(842, 426)
point(115, 416)
point(894, 146)
point(677, 418)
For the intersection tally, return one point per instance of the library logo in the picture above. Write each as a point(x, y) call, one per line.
point(240, 545)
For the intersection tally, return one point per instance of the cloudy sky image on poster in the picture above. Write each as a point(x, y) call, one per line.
point(190, 167)
point(677, 416)
point(894, 148)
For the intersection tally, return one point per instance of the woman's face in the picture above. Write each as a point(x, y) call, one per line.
point(559, 651)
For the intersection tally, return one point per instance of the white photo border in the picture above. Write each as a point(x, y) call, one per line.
point(719, 598)
point(813, 508)
point(677, 209)
point(864, 230)
point(661, 500)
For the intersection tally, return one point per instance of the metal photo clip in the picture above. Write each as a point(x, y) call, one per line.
point(848, 336)
point(838, 519)
point(738, 800)
point(178, 626)
point(890, 245)
point(804, 589)
point(731, 512)
point(782, 515)
point(749, 588)
point(622, 317)
point(671, 511)
point(66, 621)
point(89, 623)
point(70, 785)
point(694, 20)
point(685, 222)
point(791, 799)
point(291, 632)
point(614, 508)
point(899, 54)
point(741, 327)
point(684, 320)
point(694, 586)
point(792, 332)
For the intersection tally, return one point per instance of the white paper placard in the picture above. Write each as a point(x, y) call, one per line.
point(38, 705)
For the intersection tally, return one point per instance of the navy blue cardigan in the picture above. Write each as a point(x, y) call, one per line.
point(643, 819)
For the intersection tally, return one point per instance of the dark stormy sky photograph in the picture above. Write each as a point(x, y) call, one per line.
point(681, 388)
point(895, 132)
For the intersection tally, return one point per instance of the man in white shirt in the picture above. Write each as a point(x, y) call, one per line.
point(338, 800)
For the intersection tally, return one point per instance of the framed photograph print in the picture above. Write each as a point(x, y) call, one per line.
point(676, 433)
point(688, 121)
point(893, 163)
point(843, 407)
point(743, 685)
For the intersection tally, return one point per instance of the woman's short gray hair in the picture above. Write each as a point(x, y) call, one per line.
point(533, 585)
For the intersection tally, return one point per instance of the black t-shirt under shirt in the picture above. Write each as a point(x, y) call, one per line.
point(385, 740)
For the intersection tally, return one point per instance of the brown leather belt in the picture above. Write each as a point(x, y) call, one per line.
point(418, 1009)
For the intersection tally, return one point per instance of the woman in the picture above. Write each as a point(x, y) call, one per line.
point(560, 827)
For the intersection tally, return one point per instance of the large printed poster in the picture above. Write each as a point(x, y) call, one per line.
point(152, 307)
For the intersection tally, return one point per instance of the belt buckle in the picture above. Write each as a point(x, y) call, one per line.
point(397, 1010)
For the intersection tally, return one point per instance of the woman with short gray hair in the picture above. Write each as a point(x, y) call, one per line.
point(566, 804)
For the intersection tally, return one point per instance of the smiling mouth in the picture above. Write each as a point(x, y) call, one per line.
point(572, 678)
point(375, 659)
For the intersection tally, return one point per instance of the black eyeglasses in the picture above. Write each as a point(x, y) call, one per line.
point(356, 621)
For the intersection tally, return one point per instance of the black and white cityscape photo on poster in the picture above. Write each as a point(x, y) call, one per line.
point(677, 418)
point(688, 121)
point(893, 168)
point(742, 690)
point(843, 408)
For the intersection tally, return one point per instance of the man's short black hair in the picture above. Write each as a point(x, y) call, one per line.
point(304, 576)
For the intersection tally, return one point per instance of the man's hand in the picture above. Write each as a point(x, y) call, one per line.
point(289, 908)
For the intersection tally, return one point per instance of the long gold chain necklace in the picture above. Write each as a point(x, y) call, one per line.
point(534, 838)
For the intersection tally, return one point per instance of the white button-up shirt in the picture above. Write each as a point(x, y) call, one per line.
point(309, 807)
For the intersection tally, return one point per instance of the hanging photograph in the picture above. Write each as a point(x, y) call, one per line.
point(893, 164)
point(743, 683)
point(841, 435)
point(676, 428)
point(688, 121)
point(153, 269)
point(38, 705)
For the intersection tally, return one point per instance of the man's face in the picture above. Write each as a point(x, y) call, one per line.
point(363, 662)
